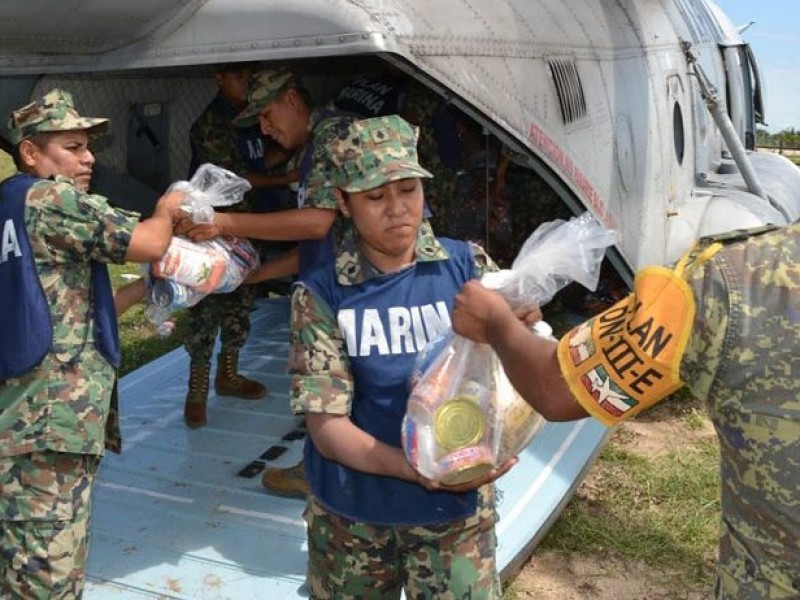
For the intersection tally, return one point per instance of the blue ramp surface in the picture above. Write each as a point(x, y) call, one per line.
point(181, 513)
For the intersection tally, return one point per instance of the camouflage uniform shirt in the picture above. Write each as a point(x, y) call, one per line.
point(315, 191)
point(325, 125)
point(743, 360)
point(214, 139)
point(63, 404)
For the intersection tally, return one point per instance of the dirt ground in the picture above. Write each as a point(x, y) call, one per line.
point(552, 576)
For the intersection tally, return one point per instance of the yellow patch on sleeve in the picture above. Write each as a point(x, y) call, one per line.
point(628, 357)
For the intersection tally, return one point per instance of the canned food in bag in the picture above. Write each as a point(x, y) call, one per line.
point(465, 464)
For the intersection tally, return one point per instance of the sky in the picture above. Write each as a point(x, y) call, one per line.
point(775, 40)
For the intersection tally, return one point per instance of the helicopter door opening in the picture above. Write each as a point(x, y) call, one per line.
point(743, 92)
point(487, 188)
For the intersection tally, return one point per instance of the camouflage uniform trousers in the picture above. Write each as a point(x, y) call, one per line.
point(351, 560)
point(739, 576)
point(45, 504)
point(227, 313)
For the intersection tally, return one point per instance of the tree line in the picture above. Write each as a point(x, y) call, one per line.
point(788, 138)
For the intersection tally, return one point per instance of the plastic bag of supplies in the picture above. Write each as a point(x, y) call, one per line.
point(463, 416)
point(189, 270)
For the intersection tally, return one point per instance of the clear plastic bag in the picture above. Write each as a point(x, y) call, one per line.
point(463, 416)
point(210, 186)
point(556, 254)
point(189, 270)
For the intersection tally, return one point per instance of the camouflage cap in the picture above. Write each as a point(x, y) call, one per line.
point(264, 87)
point(376, 151)
point(55, 111)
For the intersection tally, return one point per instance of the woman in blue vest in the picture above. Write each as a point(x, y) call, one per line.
point(375, 526)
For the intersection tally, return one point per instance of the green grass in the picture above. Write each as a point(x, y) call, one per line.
point(663, 510)
point(6, 165)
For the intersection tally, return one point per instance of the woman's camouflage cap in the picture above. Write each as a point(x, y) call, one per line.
point(55, 111)
point(375, 152)
point(265, 86)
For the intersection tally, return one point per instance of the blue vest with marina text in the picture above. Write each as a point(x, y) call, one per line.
point(25, 317)
point(385, 321)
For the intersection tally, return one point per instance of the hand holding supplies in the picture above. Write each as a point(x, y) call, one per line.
point(189, 270)
point(464, 417)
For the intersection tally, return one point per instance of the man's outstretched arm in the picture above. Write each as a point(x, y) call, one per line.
point(281, 226)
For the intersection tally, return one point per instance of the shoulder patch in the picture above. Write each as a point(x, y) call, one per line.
point(628, 357)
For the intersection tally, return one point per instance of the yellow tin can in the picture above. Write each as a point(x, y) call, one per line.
point(459, 422)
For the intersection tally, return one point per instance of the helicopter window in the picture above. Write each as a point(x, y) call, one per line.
point(743, 92)
point(758, 99)
point(679, 138)
point(569, 89)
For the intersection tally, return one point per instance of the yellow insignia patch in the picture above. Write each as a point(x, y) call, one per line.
point(628, 357)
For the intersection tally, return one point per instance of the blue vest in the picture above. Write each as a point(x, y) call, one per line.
point(25, 317)
point(385, 322)
point(372, 95)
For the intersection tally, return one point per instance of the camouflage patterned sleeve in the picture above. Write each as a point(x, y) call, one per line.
point(74, 226)
point(318, 363)
point(213, 140)
point(483, 262)
point(319, 191)
point(703, 353)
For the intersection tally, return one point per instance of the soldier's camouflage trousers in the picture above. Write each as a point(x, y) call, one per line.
point(45, 504)
point(740, 575)
point(350, 560)
point(227, 313)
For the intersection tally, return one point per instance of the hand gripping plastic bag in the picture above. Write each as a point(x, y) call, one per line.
point(210, 186)
point(463, 416)
point(189, 270)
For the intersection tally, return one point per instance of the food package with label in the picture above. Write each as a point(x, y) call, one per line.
point(463, 416)
point(190, 270)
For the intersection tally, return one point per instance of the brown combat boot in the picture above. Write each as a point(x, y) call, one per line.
point(194, 410)
point(290, 483)
point(228, 381)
